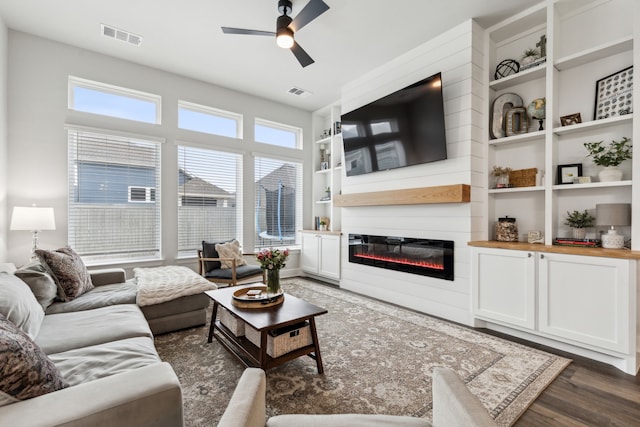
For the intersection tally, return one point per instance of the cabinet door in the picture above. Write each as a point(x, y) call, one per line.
point(504, 286)
point(329, 260)
point(586, 299)
point(310, 253)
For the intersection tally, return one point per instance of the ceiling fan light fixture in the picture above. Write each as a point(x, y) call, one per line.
point(284, 38)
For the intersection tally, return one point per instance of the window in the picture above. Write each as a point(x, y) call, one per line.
point(142, 194)
point(278, 134)
point(209, 120)
point(114, 206)
point(209, 198)
point(113, 101)
point(278, 189)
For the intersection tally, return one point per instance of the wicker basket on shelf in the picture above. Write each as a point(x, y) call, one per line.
point(523, 177)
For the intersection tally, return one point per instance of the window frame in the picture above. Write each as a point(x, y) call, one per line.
point(74, 82)
point(216, 112)
point(296, 130)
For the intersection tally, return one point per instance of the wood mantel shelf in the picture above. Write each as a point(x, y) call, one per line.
point(456, 193)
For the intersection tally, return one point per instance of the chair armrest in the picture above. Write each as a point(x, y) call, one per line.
point(142, 397)
point(247, 405)
point(454, 405)
point(107, 276)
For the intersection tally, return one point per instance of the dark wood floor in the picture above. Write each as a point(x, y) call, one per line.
point(586, 393)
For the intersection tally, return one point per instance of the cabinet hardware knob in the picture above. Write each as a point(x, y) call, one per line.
point(529, 255)
point(541, 256)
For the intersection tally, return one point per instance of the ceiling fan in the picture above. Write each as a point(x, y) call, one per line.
point(286, 27)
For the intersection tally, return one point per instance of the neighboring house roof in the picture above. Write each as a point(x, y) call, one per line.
point(285, 175)
point(197, 187)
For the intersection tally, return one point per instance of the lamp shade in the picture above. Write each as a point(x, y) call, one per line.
point(32, 219)
point(616, 214)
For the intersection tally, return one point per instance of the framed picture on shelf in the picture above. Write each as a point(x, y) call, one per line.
point(571, 119)
point(614, 95)
point(566, 173)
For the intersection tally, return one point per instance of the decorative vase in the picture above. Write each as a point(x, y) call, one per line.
point(579, 233)
point(610, 173)
point(273, 281)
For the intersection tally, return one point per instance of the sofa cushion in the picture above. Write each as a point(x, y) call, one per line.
point(241, 272)
point(98, 361)
point(19, 305)
point(67, 331)
point(100, 296)
point(230, 250)
point(68, 271)
point(347, 420)
point(25, 371)
point(37, 277)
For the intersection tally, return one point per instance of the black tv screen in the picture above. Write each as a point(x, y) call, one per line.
point(402, 129)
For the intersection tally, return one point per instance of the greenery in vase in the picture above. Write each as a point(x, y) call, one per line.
point(578, 219)
point(611, 155)
point(500, 171)
point(530, 53)
point(272, 259)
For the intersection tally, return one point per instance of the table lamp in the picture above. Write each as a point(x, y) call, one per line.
point(34, 219)
point(613, 214)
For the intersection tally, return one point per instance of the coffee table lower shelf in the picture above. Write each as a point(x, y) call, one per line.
point(250, 355)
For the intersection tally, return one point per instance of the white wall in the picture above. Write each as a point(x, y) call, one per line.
point(38, 73)
point(458, 55)
point(4, 225)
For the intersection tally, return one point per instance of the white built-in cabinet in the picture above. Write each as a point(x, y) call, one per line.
point(576, 302)
point(586, 40)
point(321, 254)
point(582, 300)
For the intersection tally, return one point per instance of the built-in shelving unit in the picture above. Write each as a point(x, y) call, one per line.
point(577, 55)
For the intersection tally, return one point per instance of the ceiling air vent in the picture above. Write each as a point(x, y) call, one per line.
point(124, 36)
point(299, 92)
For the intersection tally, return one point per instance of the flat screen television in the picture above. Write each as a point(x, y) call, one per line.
point(404, 128)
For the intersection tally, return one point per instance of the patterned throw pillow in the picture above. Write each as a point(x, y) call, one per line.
point(68, 271)
point(230, 250)
point(25, 371)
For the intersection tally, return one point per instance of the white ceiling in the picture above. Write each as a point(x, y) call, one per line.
point(184, 37)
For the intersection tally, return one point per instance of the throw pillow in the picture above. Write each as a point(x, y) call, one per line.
point(19, 305)
point(209, 251)
point(230, 250)
point(35, 275)
point(25, 371)
point(68, 271)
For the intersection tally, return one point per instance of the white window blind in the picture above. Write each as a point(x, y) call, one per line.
point(108, 177)
point(278, 189)
point(209, 198)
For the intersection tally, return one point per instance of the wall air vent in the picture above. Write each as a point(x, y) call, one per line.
point(124, 36)
point(299, 92)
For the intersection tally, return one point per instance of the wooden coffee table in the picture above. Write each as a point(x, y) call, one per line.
point(292, 310)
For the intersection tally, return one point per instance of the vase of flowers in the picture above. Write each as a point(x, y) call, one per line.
point(272, 260)
point(609, 157)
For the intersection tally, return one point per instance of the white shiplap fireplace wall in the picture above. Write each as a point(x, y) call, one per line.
point(457, 54)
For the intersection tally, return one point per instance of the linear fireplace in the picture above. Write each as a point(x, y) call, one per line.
point(427, 257)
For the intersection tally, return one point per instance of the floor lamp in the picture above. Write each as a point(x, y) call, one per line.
point(34, 219)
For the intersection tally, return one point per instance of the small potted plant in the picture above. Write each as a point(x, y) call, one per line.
point(323, 224)
point(529, 56)
point(610, 157)
point(579, 222)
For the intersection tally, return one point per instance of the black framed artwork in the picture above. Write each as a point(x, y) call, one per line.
point(567, 173)
point(614, 95)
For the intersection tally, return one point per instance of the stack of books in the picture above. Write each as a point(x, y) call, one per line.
point(569, 241)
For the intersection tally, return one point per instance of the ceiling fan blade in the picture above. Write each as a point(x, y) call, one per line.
point(229, 30)
point(303, 57)
point(311, 11)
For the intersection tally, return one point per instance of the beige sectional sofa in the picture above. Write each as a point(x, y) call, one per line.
point(90, 361)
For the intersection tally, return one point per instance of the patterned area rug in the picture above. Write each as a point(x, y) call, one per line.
point(377, 358)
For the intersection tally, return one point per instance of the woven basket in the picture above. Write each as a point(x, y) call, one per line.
point(231, 322)
point(523, 177)
point(285, 339)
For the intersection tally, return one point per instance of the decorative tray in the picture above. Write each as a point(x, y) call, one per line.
point(256, 297)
